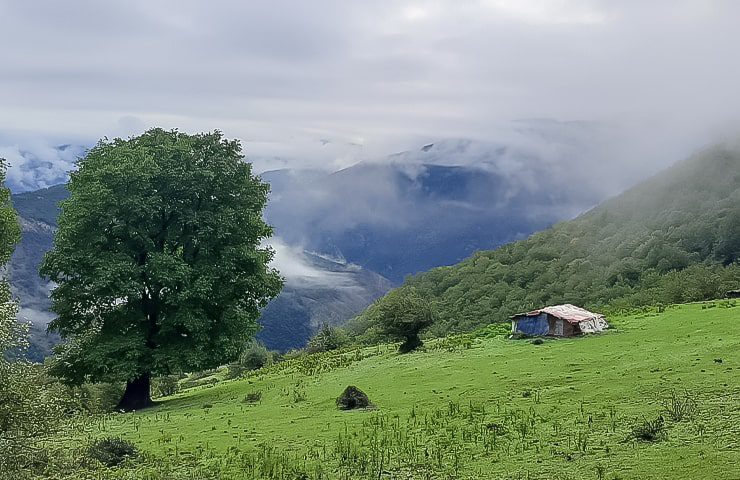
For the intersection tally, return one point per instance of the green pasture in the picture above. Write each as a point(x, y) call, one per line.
point(473, 406)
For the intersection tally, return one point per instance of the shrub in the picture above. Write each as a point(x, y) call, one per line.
point(112, 451)
point(196, 380)
point(327, 339)
point(352, 398)
point(166, 385)
point(235, 370)
point(255, 356)
point(679, 407)
point(649, 430)
point(299, 394)
point(253, 397)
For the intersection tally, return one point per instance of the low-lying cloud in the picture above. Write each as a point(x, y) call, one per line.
point(331, 82)
point(295, 265)
point(35, 163)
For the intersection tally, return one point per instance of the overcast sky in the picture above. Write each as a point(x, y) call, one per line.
point(370, 77)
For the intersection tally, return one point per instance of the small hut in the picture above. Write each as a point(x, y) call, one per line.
point(558, 321)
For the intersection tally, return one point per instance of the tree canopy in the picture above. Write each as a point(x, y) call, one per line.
point(403, 315)
point(158, 259)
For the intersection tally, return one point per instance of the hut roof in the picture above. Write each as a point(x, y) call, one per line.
point(567, 312)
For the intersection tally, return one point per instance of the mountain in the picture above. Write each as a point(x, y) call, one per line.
point(672, 238)
point(361, 230)
point(323, 290)
point(333, 292)
point(38, 212)
point(411, 212)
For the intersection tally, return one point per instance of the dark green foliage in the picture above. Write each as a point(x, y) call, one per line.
point(664, 241)
point(28, 411)
point(351, 398)
point(327, 339)
point(10, 230)
point(158, 260)
point(166, 385)
point(112, 451)
point(255, 356)
point(649, 430)
point(403, 314)
point(235, 370)
point(199, 379)
point(98, 397)
point(253, 397)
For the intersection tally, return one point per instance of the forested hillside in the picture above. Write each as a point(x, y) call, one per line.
point(673, 238)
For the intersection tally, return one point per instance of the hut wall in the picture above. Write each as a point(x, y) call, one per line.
point(536, 325)
point(568, 330)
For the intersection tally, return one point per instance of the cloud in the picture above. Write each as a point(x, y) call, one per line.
point(304, 269)
point(37, 164)
point(383, 75)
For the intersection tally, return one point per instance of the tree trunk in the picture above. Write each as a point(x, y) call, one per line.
point(411, 343)
point(137, 394)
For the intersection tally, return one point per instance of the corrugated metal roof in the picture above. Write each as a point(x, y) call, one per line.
point(567, 312)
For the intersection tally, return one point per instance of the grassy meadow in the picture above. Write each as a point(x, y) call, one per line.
point(472, 406)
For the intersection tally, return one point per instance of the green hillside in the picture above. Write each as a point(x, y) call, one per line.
point(674, 238)
point(469, 407)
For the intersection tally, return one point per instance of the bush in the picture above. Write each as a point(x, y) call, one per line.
point(649, 430)
point(679, 407)
point(99, 397)
point(166, 385)
point(253, 397)
point(196, 380)
point(255, 356)
point(352, 398)
point(327, 339)
point(235, 370)
point(112, 451)
point(403, 314)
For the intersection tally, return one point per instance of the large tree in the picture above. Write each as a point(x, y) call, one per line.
point(158, 260)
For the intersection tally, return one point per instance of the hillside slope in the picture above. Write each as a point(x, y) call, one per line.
point(664, 240)
point(342, 291)
point(472, 407)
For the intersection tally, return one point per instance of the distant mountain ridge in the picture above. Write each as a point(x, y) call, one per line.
point(673, 238)
point(381, 221)
point(303, 306)
point(403, 216)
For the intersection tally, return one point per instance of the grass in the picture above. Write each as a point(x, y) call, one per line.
point(470, 407)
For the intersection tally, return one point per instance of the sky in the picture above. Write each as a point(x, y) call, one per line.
point(327, 83)
point(598, 91)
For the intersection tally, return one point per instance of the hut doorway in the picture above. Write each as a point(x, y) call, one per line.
point(558, 328)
